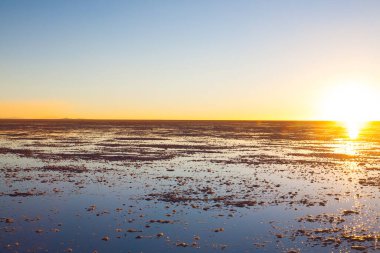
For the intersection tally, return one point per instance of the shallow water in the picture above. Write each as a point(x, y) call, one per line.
point(192, 186)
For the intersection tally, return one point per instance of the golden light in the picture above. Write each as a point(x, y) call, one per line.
point(353, 128)
point(354, 104)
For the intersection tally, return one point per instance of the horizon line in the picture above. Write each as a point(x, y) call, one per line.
point(126, 119)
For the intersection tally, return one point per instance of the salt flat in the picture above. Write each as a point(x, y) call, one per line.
point(199, 186)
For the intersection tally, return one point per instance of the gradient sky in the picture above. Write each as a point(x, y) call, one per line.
point(175, 59)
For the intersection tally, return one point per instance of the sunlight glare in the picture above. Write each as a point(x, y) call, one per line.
point(352, 104)
point(353, 128)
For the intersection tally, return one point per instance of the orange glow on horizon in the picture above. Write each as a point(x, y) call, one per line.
point(59, 110)
point(33, 109)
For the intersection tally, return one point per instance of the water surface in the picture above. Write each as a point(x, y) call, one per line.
point(191, 186)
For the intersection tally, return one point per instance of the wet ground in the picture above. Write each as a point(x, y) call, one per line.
point(191, 186)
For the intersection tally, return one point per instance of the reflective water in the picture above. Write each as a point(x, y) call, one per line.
point(154, 186)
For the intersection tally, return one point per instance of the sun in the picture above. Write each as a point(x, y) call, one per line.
point(352, 103)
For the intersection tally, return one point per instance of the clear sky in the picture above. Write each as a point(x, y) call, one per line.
point(174, 59)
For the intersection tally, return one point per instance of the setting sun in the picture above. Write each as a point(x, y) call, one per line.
point(351, 103)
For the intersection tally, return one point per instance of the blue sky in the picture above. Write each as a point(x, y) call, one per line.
point(182, 59)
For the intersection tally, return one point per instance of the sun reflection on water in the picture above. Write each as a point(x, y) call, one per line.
point(354, 128)
point(347, 148)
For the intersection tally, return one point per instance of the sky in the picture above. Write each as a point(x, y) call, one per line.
point(183, 59)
